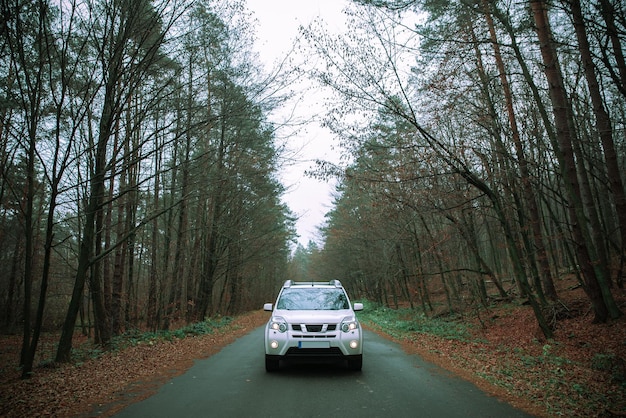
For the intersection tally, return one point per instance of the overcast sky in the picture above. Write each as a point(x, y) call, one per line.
point(278, 23)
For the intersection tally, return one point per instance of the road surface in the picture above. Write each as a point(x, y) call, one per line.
point(233, 383)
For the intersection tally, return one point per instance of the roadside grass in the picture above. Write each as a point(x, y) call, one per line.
point(546, 376)
point(406, 323)
point(135, 337)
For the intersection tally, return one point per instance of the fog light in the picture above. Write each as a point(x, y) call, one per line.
point(354, 344)
point(274, 344)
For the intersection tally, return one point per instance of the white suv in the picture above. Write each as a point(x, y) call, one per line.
point(313, 319)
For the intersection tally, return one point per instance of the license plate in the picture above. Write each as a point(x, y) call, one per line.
point(313, 344)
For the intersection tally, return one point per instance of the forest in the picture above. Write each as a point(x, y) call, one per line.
point(483, 143)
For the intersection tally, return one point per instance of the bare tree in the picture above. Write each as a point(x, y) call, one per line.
point(603, 124)
point(137, 23)
point(596, 283)
point(537, 246)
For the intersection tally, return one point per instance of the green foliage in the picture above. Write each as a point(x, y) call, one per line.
point(84, 353)
point(133, 338)
point(556, 377)
point(547, 358)
point(401, 323)
point(612, 364)
point(603, 362)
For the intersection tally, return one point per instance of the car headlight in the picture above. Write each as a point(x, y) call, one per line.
point(278, 324)
point(349, 324)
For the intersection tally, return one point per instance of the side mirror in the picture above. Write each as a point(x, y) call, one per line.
point(358, 306)
point(268, 307)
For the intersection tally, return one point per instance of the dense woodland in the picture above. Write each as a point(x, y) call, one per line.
point(484, 146)
point(486, 143)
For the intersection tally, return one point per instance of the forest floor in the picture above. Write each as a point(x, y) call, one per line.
point(578, 373)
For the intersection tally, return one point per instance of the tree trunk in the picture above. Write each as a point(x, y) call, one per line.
point(603, 122)
point(84, 257)
point(531, 199)
point(234, 278)
point(131, 202)
point(28, 246)
point(404, 275)
point(94, 205)
point(32, 101)
point(13, 283)
point(108, 275)
point(152, 308)
point(176, 303)
point(422, 285)
point(119, 259)
point(101, 315)
point(594, 282)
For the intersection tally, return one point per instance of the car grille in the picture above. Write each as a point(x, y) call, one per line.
point(313, 327)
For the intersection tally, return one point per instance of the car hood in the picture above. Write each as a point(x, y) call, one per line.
point(313, 317)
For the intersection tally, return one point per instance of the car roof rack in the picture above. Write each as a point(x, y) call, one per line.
point(334, 282)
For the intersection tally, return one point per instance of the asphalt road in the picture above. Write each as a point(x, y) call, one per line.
point(392, 384)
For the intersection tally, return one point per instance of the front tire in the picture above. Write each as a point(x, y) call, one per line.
point(355, 363)
point(271, 363)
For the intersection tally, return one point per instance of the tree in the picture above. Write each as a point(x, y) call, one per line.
point(537, 245)
point(34, 55)
point(27, 40)
point(595, 282)
point(152, 126)
point(612, 15)
point(135, 32)
point(603, 123)
point(463, 150)
point(384, 86)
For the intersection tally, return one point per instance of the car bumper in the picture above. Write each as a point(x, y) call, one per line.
point(330, 344)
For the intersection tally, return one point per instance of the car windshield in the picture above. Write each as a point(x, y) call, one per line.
point(311, 298)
